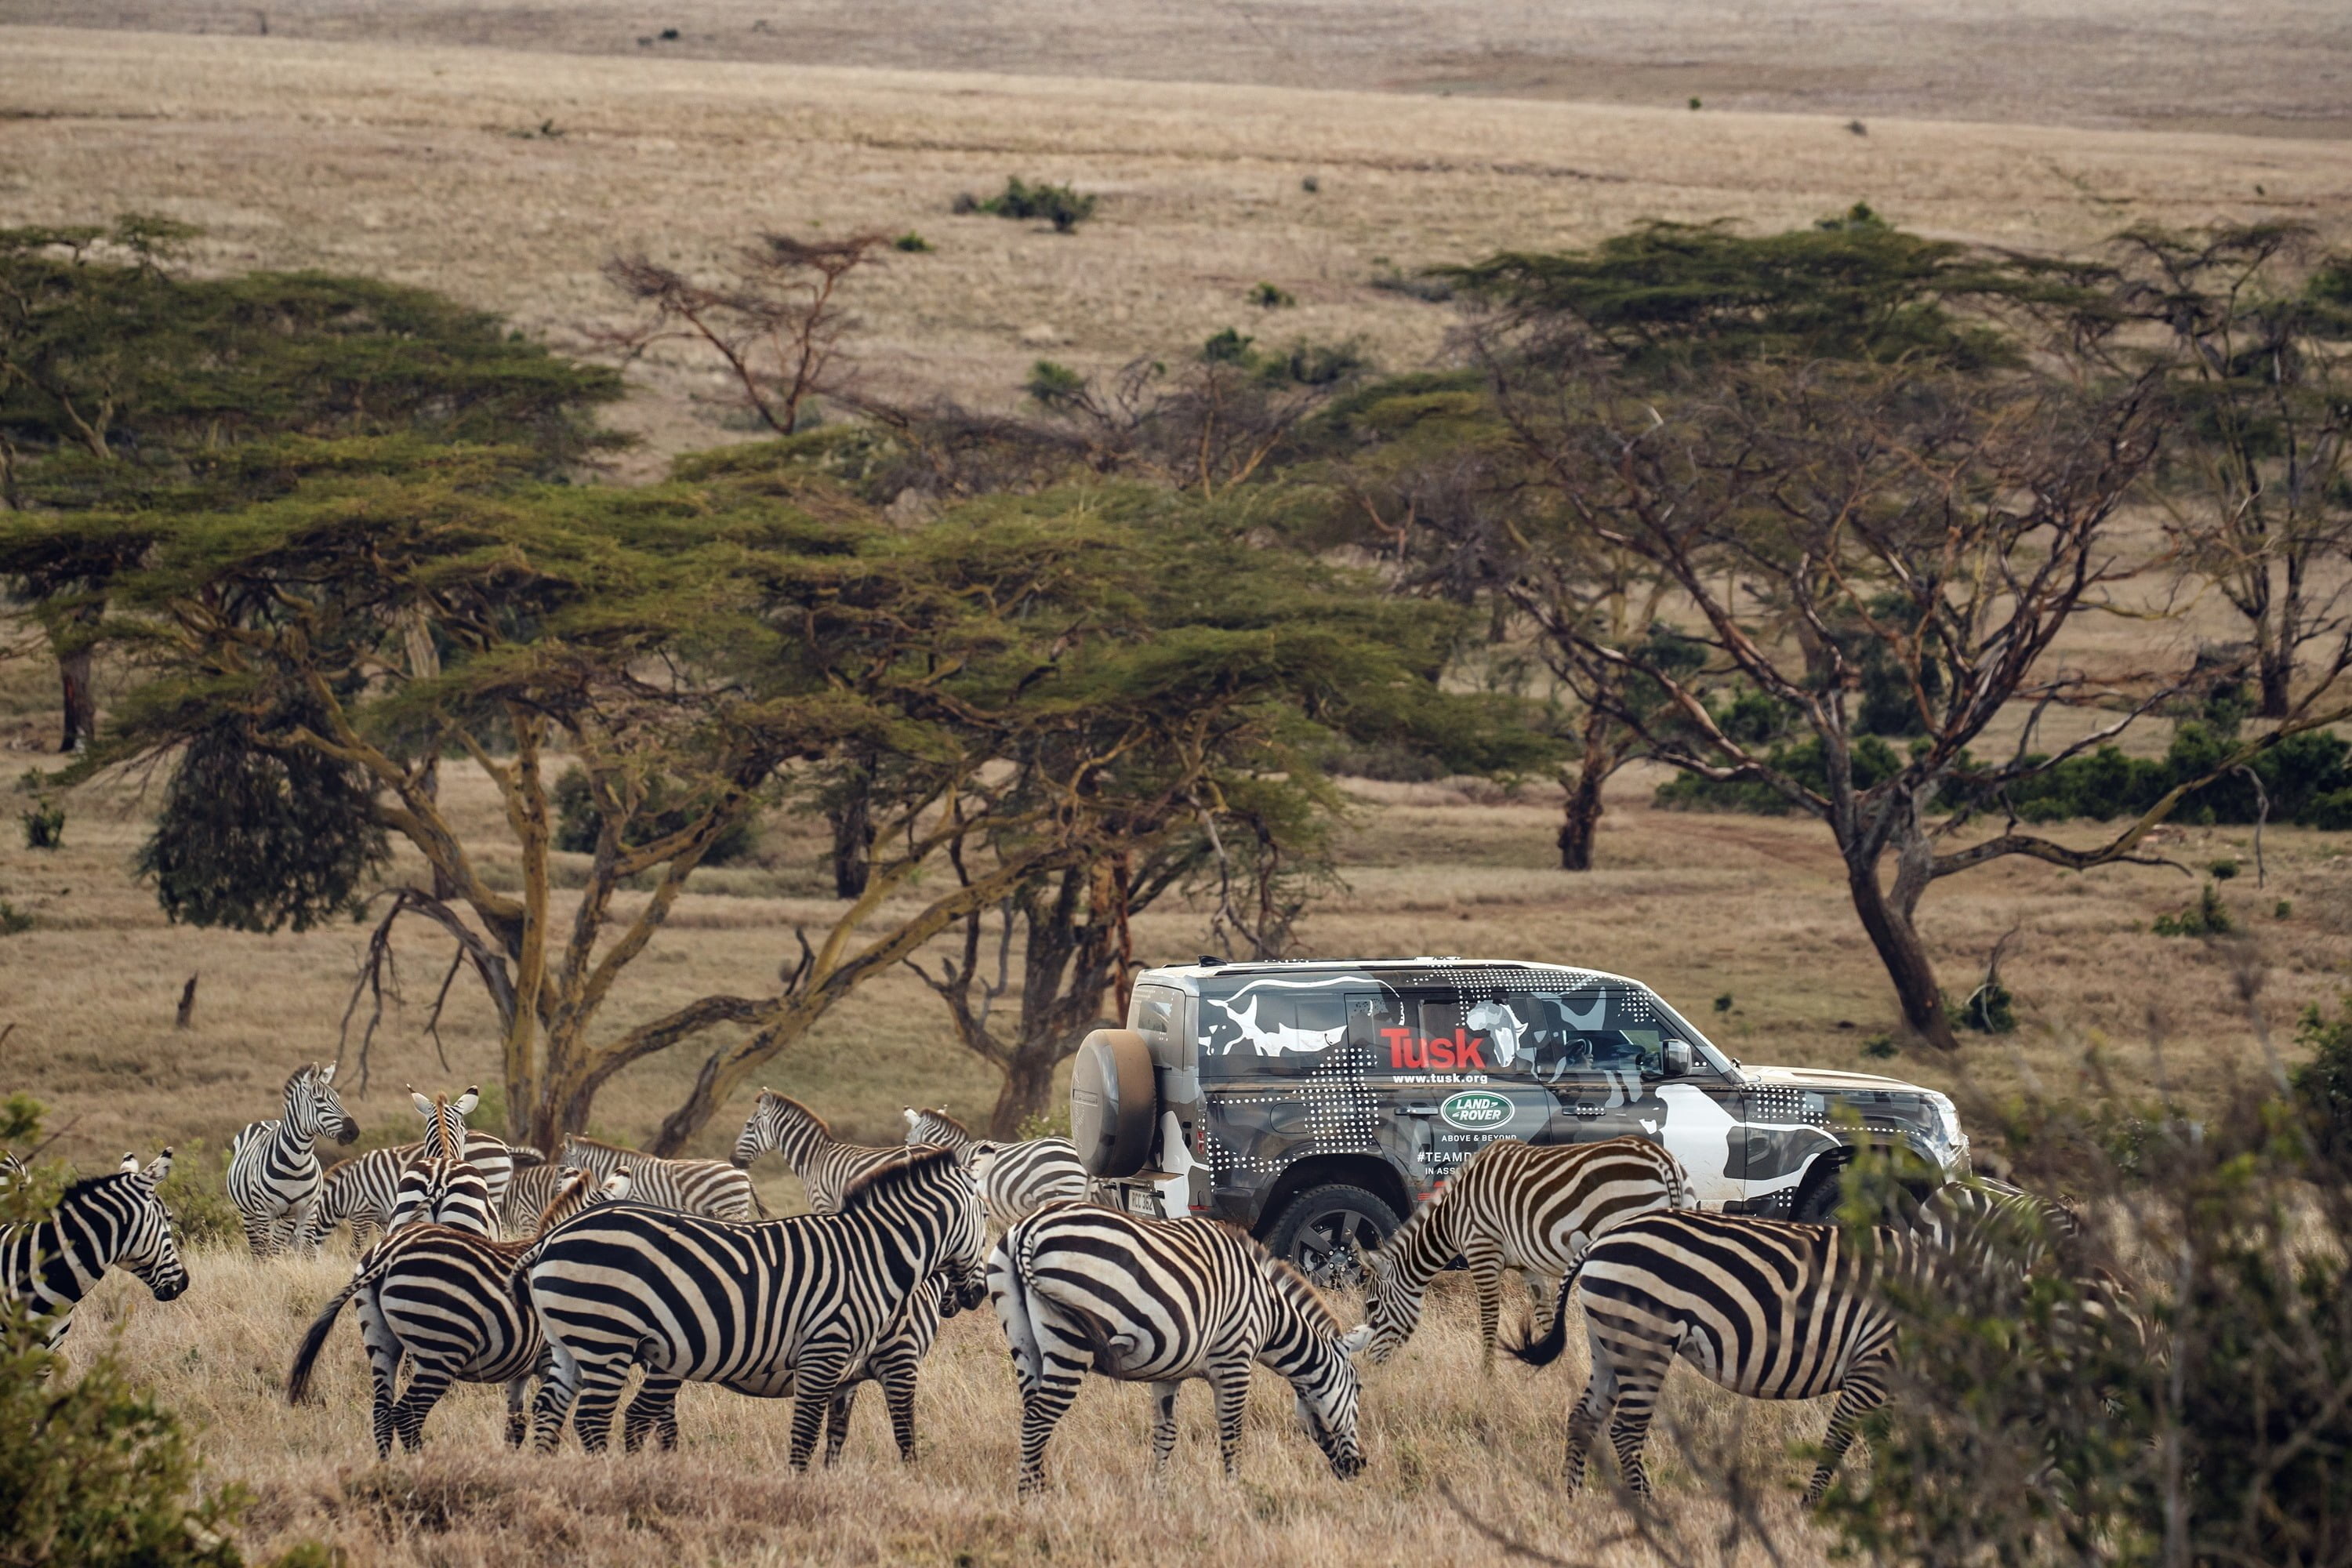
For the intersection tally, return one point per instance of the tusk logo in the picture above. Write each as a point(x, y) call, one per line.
point(1476, 1110)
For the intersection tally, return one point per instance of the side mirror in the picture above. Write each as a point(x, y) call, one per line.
point(1678, 1057)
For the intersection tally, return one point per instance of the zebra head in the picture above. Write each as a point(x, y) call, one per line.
point(1318, 1360)
point(941, 1130)
point(780, 1123)
point(1391, 1311)
point(444, 1122)
point(142, 1241)
point(313, 1108)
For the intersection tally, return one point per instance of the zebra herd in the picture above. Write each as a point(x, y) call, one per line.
point(670, 1268)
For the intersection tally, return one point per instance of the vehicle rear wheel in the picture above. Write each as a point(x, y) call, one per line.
point(1324, 1231)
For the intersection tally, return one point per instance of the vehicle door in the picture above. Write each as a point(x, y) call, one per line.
point(1602, 1052)
point(1281, 1083)
point(1444, 1089)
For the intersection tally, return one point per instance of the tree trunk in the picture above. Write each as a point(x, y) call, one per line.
point(2275, 675)
point(1900, 950)
point(81, 699)
point(1028, 1085)
point(1582, 824)
point(853, 840)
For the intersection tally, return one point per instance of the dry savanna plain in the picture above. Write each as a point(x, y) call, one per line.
point(503, 154)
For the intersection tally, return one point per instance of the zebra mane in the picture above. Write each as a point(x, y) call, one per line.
point(308, 1069)
point(943, 1118)
point(1310, 1300)
point(587, 1143)
point(91, 1183)
point(916, 1163)
point(566, 1191)
point(815, 1120)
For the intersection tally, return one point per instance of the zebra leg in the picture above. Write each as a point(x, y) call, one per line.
point(817, 1378)
point(653, 1412)
point(558, 1387)
point(1163, 1427)
point(517, 1410)
point(1862, 1395)
point(897, 1377)
point(383, 1353)
point(257, 1235)
point(1487, 1272)
point(1229, 1381)
point(600, 1385)
point(1592, 1410)
point(427, 1382)
point(836, 1422)
point(1637, 1401)
point(1043, 1402)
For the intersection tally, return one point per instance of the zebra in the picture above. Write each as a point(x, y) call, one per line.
point(445, 1191)
point(825, 1166)
point(1764, 1308)
point(1159, 1301)
point(46, 1267)
point(443, 1300)
point(1511, 1206)
point(708, 1187)
point(360, 1191)
point(273, 1167)
point(780, 1306)
point(1015, 1179)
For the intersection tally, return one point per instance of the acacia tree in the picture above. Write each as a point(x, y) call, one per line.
point(130, 391)
point(2254, 333)
point(1814, 518)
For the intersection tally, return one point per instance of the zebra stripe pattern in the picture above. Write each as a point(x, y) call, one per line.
point(1159, 1301)
point(1514, 1206)
point(827, 1166)
point(1763, 1308)
point(273, 1167)
point(442, 1301)
point(789, 1306)
point(118, 1221)
point(1015, 1179)
point(709, 1187)
point(443, 1191)
point(360, 1191)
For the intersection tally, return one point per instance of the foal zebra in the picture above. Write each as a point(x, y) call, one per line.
point(1764, 1308)
point(1159, 1301)
point(46, 1267)
point(1015, 1179)
point(827, 1166)
point(273, 1166)
point(708, 1187)
point(1510, 1205)
point(781, 1307)
point(443, 1301)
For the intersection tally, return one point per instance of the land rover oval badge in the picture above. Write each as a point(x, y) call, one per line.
point(1476, 1110)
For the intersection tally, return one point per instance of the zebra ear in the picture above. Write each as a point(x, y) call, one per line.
point(464, 1104)
point(424, 1106)
point(160, 1169)
point(617, 1185)
point(130, 1163)
point(327, 1073)
point(1355, 1339)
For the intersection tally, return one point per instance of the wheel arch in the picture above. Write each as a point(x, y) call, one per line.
point(1369, 1172)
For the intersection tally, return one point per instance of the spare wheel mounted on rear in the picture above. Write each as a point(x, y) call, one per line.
point(1113, 1102)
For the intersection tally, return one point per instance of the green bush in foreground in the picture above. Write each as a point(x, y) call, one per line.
point(93, 1472)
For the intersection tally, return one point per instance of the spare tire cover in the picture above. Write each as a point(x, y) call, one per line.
point(1112, 1102)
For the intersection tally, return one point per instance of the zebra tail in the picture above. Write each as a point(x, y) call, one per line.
point(298, 1380)
point(1545, 1350)
point(759, 1209)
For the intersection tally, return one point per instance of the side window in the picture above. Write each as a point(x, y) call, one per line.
point(1601, 1029)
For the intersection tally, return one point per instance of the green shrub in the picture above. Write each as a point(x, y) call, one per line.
point(2208, 917)
point(12, 920)
point(2221, 871)
point(1880, 1046)
point(2323, 1083)
point(2308, 779)
point(578, 822)
point(1874, 762)
point(1723, 1004)
point(2282, 909)
point(913, 244)
point(1061, 206)
point(195, 1195)
point(93, 1472)
point(1987, 1010)
point(1269, 297)
point(45, 826)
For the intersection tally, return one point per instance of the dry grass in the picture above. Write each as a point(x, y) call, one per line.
point(219, 1355)
point(425, 165)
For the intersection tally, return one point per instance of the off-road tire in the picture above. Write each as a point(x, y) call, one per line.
point(1322, 1230)
point(1817, 1199)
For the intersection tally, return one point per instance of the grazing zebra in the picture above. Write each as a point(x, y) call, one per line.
point(443, 1301)
point(710, 1187)
point(1157, 1301)
point(273, 1167)
point(781, 1307)
point(360, 1191)
point(825, 1166)
point(1511, 1206)
point(46, 1267)
point(1015, 1179)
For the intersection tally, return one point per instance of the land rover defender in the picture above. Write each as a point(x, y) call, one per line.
point(1314, 1103)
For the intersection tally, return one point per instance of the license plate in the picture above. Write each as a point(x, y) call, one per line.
point(1143, 1201)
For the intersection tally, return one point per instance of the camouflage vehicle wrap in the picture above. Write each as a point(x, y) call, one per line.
point(1360, 1086)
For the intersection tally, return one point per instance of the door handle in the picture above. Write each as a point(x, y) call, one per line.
point(1421, 1111)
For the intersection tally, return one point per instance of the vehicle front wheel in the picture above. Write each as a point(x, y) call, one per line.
point(1817, 1201)
point(1324, 1231)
